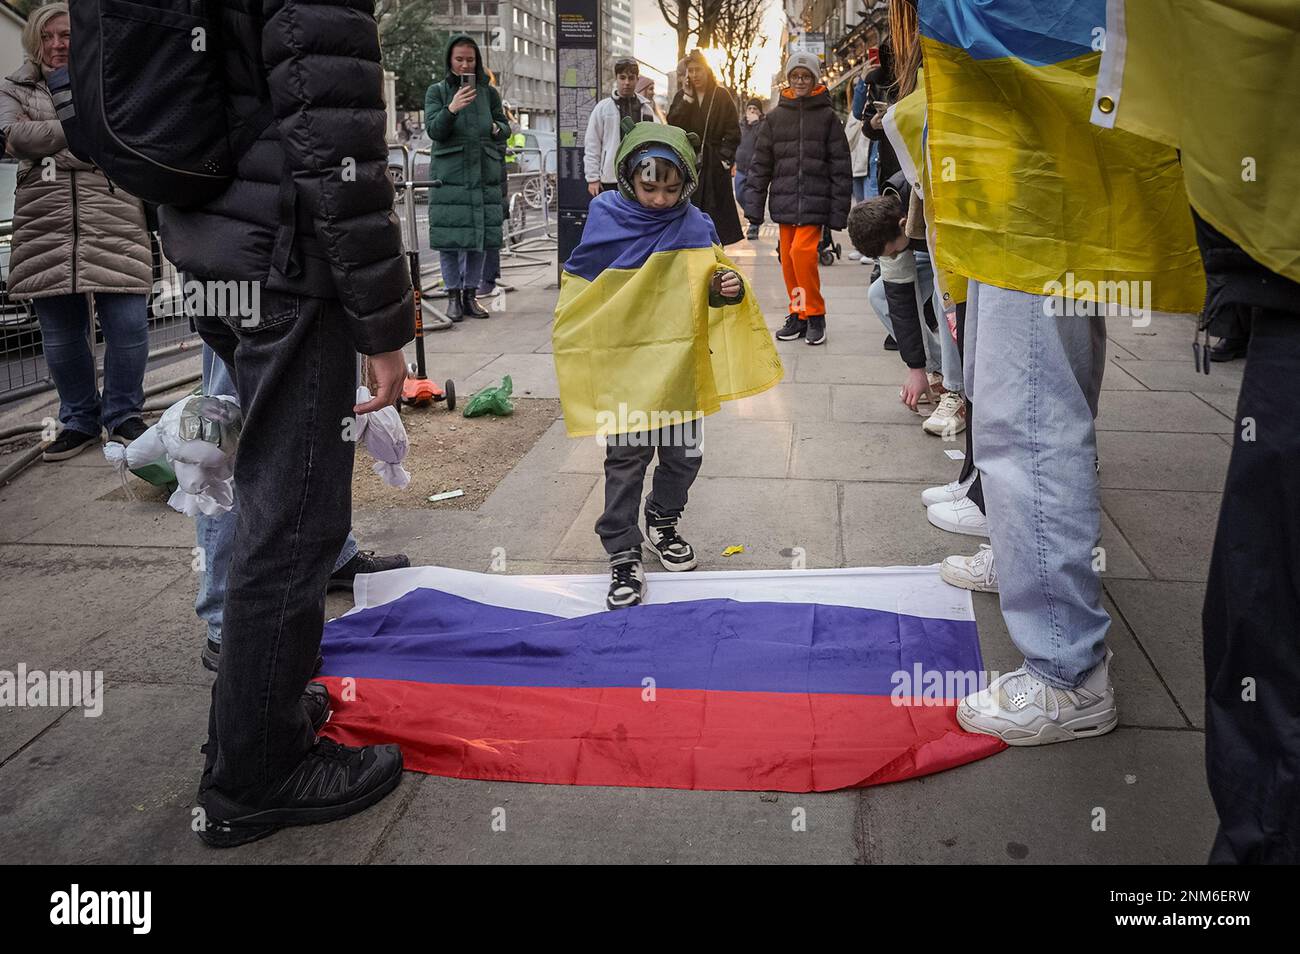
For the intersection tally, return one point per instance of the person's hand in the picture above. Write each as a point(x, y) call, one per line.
point(593, 188)
point(876, 120)
point(464, 96)
point(730, 286)
point(389, 371)
point(914, 385)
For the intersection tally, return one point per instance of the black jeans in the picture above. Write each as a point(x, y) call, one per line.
point(1251, 618)
point(296, 376)
point(626, 458)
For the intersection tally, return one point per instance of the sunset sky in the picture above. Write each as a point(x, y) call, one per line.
point(656, 44)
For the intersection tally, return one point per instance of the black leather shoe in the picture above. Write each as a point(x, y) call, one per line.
point(454, 306)
point(365, 561)
point(1229, 349)
point(469, 304)
point(331, 782)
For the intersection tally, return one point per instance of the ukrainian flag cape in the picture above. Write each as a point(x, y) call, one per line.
point(1238, 130)
point(637, 346)
point(1025, 190)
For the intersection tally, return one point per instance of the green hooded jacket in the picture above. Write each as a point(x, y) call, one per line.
point(674, 137)
point(469, 157)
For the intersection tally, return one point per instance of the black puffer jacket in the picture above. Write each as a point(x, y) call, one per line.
point(748, 140)
point(801, 169)
point(333, 233)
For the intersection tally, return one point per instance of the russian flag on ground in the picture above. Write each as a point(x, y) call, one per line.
point(789, 680)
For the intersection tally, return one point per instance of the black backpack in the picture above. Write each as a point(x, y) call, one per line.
point(146, 102)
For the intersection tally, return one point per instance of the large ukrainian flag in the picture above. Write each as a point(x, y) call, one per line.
point(1220, 81)
point(1025, 190)
point(636, 344)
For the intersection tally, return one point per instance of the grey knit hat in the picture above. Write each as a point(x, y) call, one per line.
point(808, 61)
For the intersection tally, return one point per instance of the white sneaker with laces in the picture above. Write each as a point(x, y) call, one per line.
point(1021, 709)
point(975, 572)
point(949, 417)
point(959, 516)
point(948, 493)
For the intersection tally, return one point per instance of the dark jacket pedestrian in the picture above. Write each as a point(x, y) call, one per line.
point(324, 256)
point(708, 110)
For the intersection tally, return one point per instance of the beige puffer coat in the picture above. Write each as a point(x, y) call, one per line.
point(77, 232)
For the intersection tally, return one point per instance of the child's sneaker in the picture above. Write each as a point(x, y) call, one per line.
point(792, 329)
point(976, 573)
point(627, 580)
point(674, 553)
point(816, 330)
point(949, 418)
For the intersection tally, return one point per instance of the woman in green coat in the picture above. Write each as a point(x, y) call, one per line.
point(469, 128)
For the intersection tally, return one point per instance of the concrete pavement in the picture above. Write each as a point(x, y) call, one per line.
point(828, 461)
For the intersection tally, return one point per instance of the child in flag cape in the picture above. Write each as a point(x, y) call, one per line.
point(653, 330)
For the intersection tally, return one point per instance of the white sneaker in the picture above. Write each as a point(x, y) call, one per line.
point(1020, 709)
point(975, 572)
point(855, 256)
point(952, 491)
point(959, 516)
point(949, 417)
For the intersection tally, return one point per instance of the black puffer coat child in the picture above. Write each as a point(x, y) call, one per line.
point(801, 170)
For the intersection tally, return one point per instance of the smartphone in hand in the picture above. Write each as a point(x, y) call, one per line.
point(468, 80)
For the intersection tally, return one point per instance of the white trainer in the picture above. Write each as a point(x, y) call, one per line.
point(855, 255)
point(1021, 709)
point(975, 572)
point(949, 417)
point(959, 516)
point(950, 492)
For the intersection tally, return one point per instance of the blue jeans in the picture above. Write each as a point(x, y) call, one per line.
point(1034, 382)
point(873, 170)
point(860, 186)
point(124, 320)
point(216, 534)
point(461, 269)
point(491, 268)
point(941, 353)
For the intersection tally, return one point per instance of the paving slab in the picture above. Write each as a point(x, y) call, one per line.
point(890, 452)
point(1181, 376)
point(1140, 461)
point(452, 821)
point(1166, 620)
point(1172, 531)
point(1163, 411)
point(1040, 806)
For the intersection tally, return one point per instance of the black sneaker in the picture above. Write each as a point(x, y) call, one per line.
point(128, 430)
point(211, 657)
point(751, 233)
point(627, 580)
point(365, 561)
point(792, 329)
point(69, 443)
point(674, 553)
point(331, 782)
point(816, 330)
point(890, 343)
point(316, 700)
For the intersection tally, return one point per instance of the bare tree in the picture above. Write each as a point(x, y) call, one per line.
point(737, 30)
point(681, 17)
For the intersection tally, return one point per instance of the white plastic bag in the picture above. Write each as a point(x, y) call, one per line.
point(198, 435)
point(385, 438)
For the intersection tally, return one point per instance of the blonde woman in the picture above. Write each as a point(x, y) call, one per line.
point(75, 234)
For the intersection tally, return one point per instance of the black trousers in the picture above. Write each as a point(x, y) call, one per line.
point(976, 492)
point(1251, 618)
point(295, 370)
point(626, 458)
